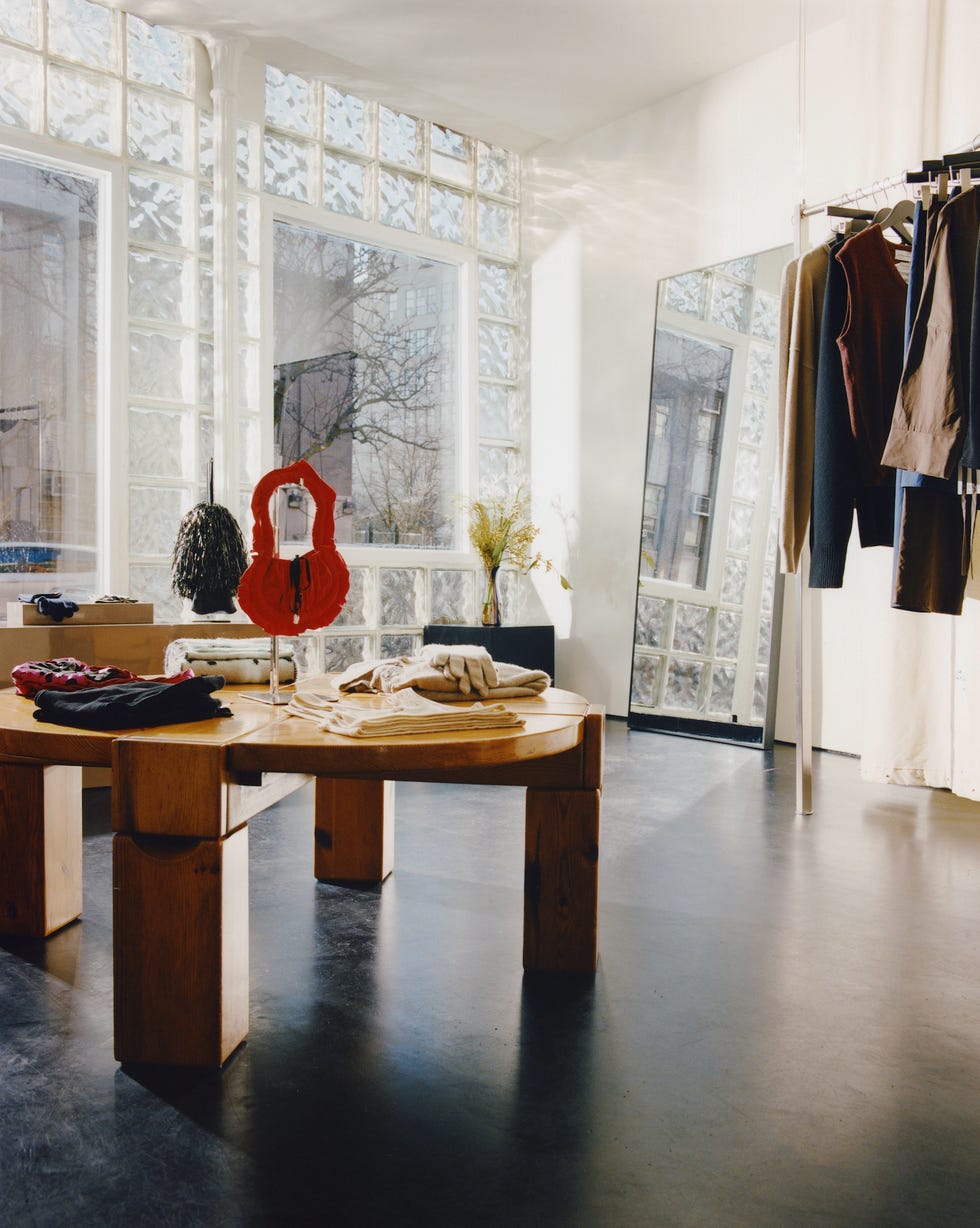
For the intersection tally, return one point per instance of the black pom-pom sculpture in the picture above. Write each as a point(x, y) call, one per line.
point(209, 556)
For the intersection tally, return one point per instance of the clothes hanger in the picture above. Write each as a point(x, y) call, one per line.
point(898, 218)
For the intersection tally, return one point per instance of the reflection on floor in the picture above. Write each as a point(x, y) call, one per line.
point(784, 1028)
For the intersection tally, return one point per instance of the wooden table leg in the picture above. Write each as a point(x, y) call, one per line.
point(180, 946)
point(41, 839)
point(561, 881)
point(354, 830)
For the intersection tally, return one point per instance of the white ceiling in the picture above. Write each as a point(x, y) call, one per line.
point(516, 72)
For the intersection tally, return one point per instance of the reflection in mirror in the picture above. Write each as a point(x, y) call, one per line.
point(704, 659)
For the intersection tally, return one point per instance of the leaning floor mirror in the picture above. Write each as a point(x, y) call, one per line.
point(708, 602)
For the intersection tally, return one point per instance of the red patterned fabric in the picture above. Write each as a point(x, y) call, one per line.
point(69, 674)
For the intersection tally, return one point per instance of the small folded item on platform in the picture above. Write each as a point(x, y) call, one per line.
point(133, 705)
point(240, 662)
point(51, 605)
point(404, 713)
point(70, 674)
point(443, 682)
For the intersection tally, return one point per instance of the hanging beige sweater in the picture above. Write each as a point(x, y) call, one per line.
point(796, 436)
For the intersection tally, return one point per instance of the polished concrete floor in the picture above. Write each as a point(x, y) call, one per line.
point(784, 1028)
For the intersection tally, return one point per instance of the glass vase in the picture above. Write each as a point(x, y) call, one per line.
point(490, 610)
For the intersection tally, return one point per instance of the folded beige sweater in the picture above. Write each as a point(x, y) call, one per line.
point(393, 674)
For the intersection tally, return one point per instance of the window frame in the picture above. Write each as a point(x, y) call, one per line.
point(275, 209)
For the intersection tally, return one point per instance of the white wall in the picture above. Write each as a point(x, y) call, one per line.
point(710, 174)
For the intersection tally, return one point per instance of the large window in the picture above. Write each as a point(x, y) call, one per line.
point(49, 325)
point(366, 385)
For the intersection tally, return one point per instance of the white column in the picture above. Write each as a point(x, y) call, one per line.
point(226, 56)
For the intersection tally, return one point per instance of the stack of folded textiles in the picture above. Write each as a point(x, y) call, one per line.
point(406, 712)
point(240, 662)
point(445, 672)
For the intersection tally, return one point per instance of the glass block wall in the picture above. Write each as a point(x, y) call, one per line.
point(92, 77)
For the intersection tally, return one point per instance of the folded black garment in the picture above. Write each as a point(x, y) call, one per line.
point(133, 705)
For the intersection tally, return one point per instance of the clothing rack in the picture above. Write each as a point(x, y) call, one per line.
point(964, 160)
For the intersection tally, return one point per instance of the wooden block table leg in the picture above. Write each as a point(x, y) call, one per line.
point(40, 848)
point(354, 830)
point(561, 882)
point(180, 944)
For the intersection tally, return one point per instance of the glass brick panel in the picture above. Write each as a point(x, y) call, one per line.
point(288, 101)
point(342, 651)
point(148, 583)
point(746, 481)
point(206, 281)
point(398, 200)
point(742, 269)
point(158, 129)
point(20, 97)
point(447, 214)
point(205, 450)
point(159, 365)
point(288, 166)
point(157, 56)
point(498, 468)
point(498, 405)
point(752, 428)
point(248, 302)
point(401, 590)
point(734, 581)
point(498, 350)
point(355, 611)
point(87, 33)
point(683, 689)
point(651, 621)
point(686, 294)
point(206, 146)
point(648, 672)
point(496, 171)
point(205, 221)
point(154, 517)
point(159, 210)
point(84, 108)
point(346, 120)
point(248, 375)
point(730, 304)
point(18, 20)
point(398, 138)
point(740, 527)
point(400, 645)
point(765, 316)
point(449, 156)
point(691, 625)
point(758, 374)
point(496, 228)
point(248, 229)
point(760, 696)
point(205, 376)
point(250, 448)
point(247, 156)
point(722, 690)
point(498, 289)
point(345, 185)
point(161, 443)
point(160, 287)
point(452, 596)
point(729, 631)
